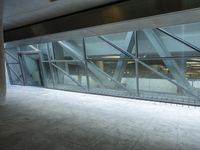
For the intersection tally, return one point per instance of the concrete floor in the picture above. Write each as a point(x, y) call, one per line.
point(43, 119)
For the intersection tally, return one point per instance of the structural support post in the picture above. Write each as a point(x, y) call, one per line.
point(2, 59)
point(136, 64)
point(86, 65)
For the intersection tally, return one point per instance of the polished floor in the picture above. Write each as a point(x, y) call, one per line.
point(44, 119)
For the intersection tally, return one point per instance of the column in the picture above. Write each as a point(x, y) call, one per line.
point(2, 59)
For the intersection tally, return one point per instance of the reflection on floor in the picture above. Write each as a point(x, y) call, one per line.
point(43, 119)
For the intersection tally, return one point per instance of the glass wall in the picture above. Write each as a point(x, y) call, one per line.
point(14, 67)
point(159, 64)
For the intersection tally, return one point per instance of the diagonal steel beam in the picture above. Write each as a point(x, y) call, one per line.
point(34, 48)
point(170, 80)
point(72, 51)
point(149, 67)
point(162, 50)
point(111, 78)
point(101, 75)
point(180, 40)
point(12, 56)
point(65, 73)
point(15, 74)
point(116, 47)
point(121, 65)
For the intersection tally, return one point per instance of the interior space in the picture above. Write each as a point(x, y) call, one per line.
point(99, 75)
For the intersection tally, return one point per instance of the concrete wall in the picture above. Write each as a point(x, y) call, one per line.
point(2, 60)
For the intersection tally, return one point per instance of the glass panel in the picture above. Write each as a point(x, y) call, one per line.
point(43, 47)
point(16, 74)
point(69, 75)
point(30, 47)
point(192, 71)
point(188, 32)
point(172, 71)
point(11, 59)
point(158, 65)
point(48, 75)
point(123, 40)
point(154, 86)
point(32, 70)
point(68, 50)
point(145, 48)
point(185, 68)
point(11, 55)
point(116, 75)
point(153, 43)
point(176, 48)
point(63, 82)
point(97, 48)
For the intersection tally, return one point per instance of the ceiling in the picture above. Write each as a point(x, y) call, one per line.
point(22, 12)
point(191, 17)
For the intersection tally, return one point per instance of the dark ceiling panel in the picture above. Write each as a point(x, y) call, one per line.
point(123, 11)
